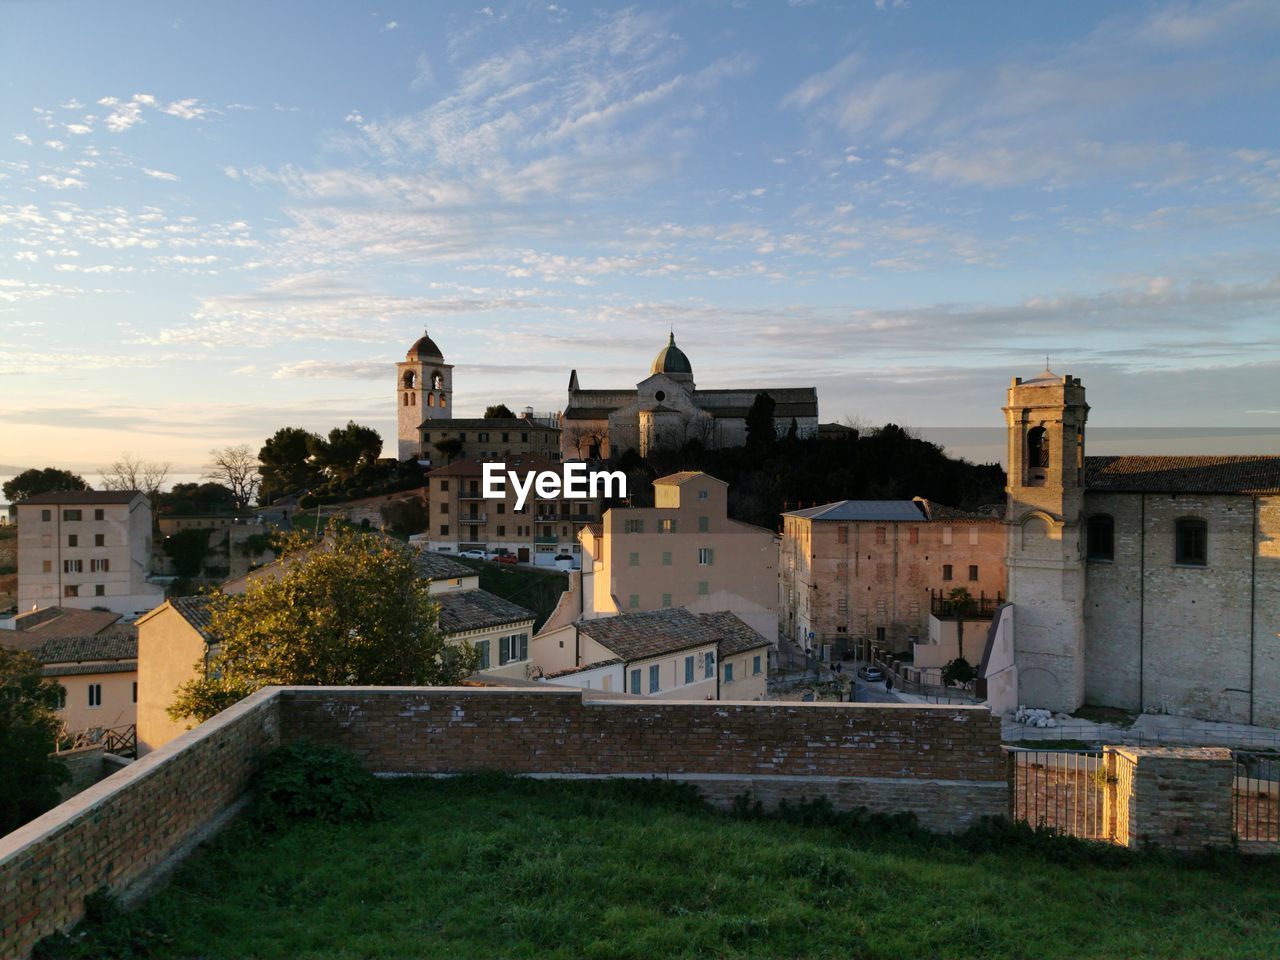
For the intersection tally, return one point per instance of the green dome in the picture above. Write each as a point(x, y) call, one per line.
point(672, 360)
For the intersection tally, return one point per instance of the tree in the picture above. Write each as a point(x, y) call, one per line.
point(237, 468)
point(958, 672)
point(351, 610)
point(761, 431)
point(134, 473)
point(188, 550)
point(499, 411)
point(28, 735)
point(347, 449)
point(47, 480)
point(285, 461)
point(450, 448)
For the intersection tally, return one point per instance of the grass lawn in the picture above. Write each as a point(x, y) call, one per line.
point(495, 867)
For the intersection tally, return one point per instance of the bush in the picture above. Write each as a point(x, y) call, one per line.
point(307, 501)
point(306, 781)
point(958, 671)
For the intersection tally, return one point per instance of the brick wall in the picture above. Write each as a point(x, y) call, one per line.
point(119, 831)
point(944, 763)
point(1176, 797)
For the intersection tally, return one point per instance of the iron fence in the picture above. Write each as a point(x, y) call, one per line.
point(1062, 790)
point(1255, 794)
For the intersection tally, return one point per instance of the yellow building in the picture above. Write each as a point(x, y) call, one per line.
point(99, 678)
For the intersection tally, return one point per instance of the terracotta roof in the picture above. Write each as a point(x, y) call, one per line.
point(586, 666)
point(194, 610)
point(76, 497)
point(736, 636)
point(463, 610)
point(652, 633)
point(433, 566)
point(53, 622)
point(77, 649)
point(1257, 474)
point(81, 669)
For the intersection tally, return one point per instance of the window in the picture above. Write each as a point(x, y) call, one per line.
point(505, 438)
point(135, 691)
point(70, 514)
point(842, 533)
point(46, 515)
point(502, 508)
point(73, 540)
point(1037, 447)
point(634, 602)
point(666, 526)
point(99, 514)
point(99, 539)
point(444, 529)
point(708, 665)
point(62, 697)
point(633, 560)
point(666, 599)
point(444, 486)
point(444, 506)
point(702, 494)
point(100, 566)
point(704, 588)
point(688, 669)
point(482, 437)
point(728, 672)
point(482, 648)
point(946, 536)
point(72, 566)
point(100, 590)
point(502, 530)
point(704, 524)
point(973, 572)
point(635, 681)
point(653, 678)
point(1100, 537)
point(666, 558)
point(517, 647)
point(755, 665)
point(633, 526)
point(946, 571)
point(1191, 542)
point(880, 635)
point(46, 566)
point(524, 438)
point(95, 694)
point(706, 556)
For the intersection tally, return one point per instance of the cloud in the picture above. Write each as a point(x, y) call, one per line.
point(60, 183)
point(22, 138)
point(389, 26)
point(185, 109)
point(55, 145)
point(334, 370)
point(158, 174)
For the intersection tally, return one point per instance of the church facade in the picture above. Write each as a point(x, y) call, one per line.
point(666, 409)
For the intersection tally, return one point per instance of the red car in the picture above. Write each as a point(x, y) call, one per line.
point(506, 558)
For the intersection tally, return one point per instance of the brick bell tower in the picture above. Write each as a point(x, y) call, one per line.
point(424, 391)
point(1046, 418)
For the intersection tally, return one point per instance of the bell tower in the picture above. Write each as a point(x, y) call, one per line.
point(1045, 417)
point(424, 391)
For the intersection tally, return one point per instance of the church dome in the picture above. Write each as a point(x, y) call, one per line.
point(424, 348)
point(671, 360)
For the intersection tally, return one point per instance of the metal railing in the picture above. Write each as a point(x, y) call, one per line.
point(980, 607)
point(474, 518)
point(1061, 790)
point(122, 741)
point(1255, 796)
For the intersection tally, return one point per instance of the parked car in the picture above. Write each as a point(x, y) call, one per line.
point(508, 558)
point(472, 554)
point(870, 674)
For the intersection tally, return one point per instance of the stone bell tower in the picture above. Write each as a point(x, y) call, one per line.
point(1046, 418)
point(424, 391)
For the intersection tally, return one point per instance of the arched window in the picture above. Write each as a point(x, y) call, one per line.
point(1037, 447)
point(406, 399)
point(1191, 542)
point(431, 399)
point(413, 399)
point(410, 380)
point(442, 400)
point(1100, 537)
point(437, 381)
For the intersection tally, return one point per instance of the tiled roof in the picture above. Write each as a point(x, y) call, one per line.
point(479, 423)
point(652, 633)
point(474, 467)
point(588, 413)
point(75, 497)
point(1234, 474)
point(735, 635)
point(76, 649)
point(887, 510)
point(195, 610)
point(81, 669)
point(433, 566)
point(684, 476)
point(940, 511)
point(64, 622)
point(569, 671)
point(463, 610)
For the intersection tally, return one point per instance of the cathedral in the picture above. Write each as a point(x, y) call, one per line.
point(666, 409)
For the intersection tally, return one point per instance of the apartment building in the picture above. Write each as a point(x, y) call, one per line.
point(494, 439)
point(463, 518)
point(862, 573)
point(685, 551)
point(99, 679)
point(88, 548)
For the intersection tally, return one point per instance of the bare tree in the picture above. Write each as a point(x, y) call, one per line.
point(237, 468)
point(134, 473)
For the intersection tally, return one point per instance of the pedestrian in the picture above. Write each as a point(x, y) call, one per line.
point(888, 683)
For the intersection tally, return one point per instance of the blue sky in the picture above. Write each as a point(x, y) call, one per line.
point(217, 219)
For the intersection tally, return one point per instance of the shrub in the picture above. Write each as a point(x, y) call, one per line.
point(307, 501)
point(305, 781)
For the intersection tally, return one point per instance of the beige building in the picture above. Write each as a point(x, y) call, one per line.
point(668, 654)
point(666, 410)
point(172, 640)
point(463, 518)
point(99, 678)
point(858, 574)
point(684, 551)
point(90, 548)
point(500, 438)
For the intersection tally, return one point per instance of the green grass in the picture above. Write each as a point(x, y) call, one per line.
point(494, 867)
point(536, 590)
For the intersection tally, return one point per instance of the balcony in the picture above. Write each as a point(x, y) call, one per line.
point(475, 518)
point(543, 538)
point(965, 608)
point(471, 494)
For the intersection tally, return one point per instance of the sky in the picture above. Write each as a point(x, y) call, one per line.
point(220, 219)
